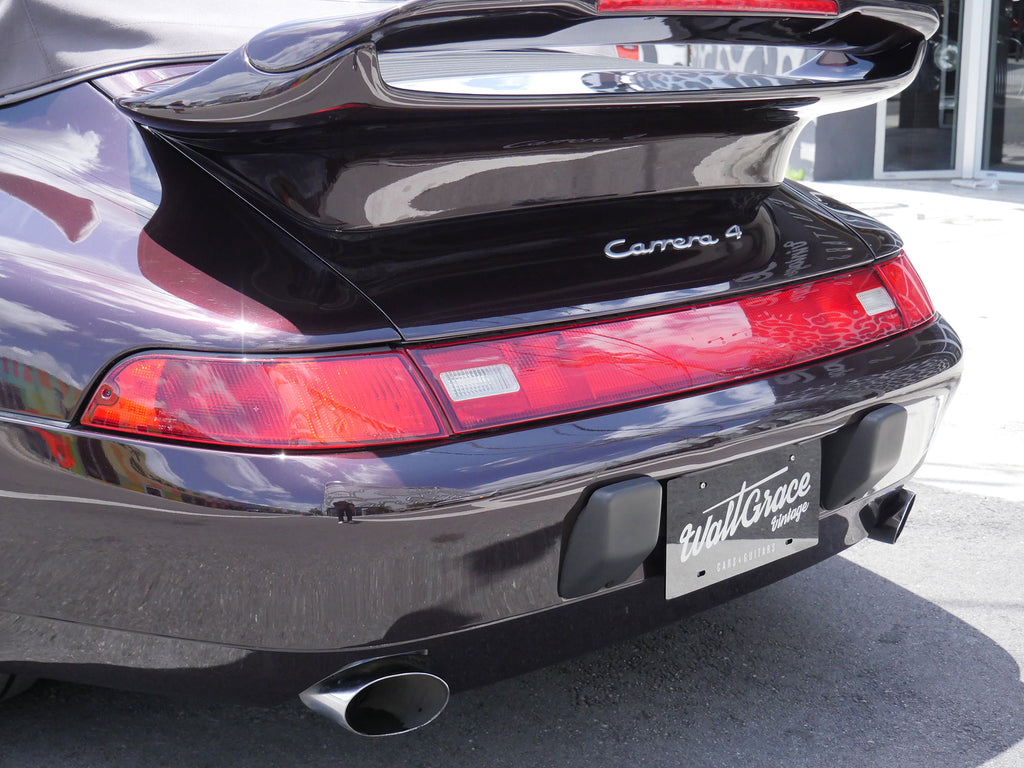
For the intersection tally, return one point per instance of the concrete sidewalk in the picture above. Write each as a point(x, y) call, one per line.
point(968, 245)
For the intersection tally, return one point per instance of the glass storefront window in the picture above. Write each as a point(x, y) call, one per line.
point(1004, 108)
point(920, 123)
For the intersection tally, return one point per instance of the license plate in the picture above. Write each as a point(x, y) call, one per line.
point(727, 520)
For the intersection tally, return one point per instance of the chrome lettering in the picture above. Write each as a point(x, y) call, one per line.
point(751, 503)
point(616, 249)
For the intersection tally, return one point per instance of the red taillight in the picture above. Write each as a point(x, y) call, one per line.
point(908, 290)
point(799, 7)
point(573, 369)
point(314, 402)
point(347, 401)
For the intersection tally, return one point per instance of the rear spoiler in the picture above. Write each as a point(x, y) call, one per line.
point(312, 72)
point(433, 112)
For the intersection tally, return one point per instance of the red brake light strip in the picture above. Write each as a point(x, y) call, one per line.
point(797, 7)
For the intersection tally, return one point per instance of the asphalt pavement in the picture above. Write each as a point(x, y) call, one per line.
point(906, 655)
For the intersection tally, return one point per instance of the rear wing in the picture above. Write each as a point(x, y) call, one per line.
point(431, 110)
point(857, 52)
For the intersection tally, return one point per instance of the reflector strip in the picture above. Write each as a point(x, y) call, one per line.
point(366, 399)
point(799, 7)
point(610, 363)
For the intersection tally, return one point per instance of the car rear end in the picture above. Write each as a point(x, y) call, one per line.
point(588, 366)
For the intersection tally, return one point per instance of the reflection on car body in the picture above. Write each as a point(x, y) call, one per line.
point(325, 373)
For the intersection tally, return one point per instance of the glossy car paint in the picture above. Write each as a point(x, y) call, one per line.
point(365, 554)
point(105, 252)
point(196, 268)
point(170, 567)
point(452, 231)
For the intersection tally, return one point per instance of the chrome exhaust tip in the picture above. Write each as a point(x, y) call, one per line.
point(381, 697)
point(892, 516)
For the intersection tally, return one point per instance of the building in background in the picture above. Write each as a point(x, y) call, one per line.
point(963, 117)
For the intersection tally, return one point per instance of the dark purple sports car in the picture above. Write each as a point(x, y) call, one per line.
point(412, 345)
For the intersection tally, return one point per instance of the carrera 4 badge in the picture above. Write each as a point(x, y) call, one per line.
point(615, 249)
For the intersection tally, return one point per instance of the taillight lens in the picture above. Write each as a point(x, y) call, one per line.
point(908, 290)
point(573, 369)
point(313, 402)
point(799, 7)
point(348, 401)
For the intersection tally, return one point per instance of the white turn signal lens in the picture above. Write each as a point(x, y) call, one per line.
point(473, 383)
point(876, 301)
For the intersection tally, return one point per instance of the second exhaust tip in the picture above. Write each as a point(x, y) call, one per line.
point(892, 516)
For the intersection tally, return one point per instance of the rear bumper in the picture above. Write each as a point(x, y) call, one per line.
point(176, 569)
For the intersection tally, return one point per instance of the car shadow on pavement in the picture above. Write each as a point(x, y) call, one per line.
point(835, 666)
